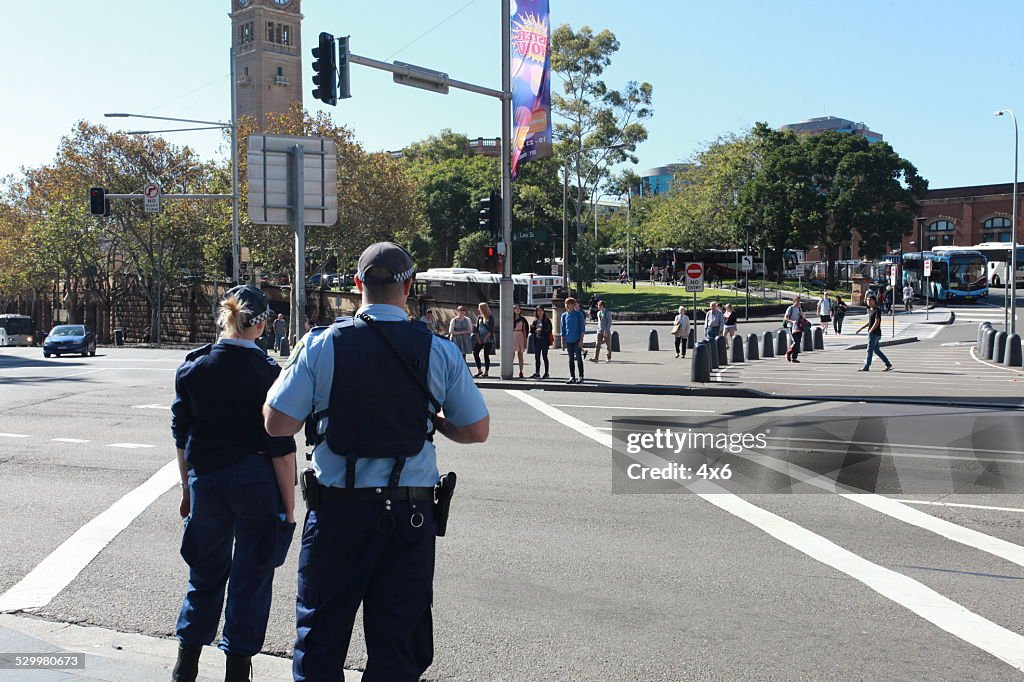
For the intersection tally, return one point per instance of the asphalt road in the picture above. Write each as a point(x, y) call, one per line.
point(545, 573)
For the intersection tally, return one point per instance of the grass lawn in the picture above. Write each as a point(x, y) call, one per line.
point(660, 298)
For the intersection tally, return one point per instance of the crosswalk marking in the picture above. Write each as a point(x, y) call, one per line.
point(130, 446)
point(13, 435)
point(69, 440)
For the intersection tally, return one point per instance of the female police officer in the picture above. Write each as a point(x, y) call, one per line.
point(237, 488)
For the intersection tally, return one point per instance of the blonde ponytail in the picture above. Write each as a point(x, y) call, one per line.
point(232, 316)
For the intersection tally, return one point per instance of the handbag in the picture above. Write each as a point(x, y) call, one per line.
point(676, 329)
point(803, 324)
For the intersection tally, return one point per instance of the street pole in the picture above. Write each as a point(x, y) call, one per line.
point(629, 239)
point(746, 278)
point(236, 251)
point(1013, 229)
point(299, 217)
point(505, 328)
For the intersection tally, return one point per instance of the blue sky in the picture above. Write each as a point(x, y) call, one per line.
point(927, 74)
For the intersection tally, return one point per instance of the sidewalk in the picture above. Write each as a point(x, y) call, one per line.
point(112, 656)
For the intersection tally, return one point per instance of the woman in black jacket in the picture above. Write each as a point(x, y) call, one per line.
point(541, 330)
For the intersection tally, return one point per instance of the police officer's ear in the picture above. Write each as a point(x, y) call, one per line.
point(359, 283)
point(407, 287)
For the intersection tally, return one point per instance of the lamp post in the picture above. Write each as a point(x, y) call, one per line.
point(594, 207)
point(1013, 230)
point(208, 125)
point(565, 204)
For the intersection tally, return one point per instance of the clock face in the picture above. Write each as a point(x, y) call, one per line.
point(281, 3)
point(244, 3)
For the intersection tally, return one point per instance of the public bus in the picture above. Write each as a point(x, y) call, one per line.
point(998, 255)
point(958, 275)
point(469, 286)
point(15, 330)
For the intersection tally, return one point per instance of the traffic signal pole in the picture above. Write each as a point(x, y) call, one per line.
point(505, 330)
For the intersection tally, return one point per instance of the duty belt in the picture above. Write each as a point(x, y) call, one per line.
point(389, 494)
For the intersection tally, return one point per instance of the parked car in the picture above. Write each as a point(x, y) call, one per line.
point(69, 338)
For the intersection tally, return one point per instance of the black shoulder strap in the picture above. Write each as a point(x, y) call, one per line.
point(372, 324)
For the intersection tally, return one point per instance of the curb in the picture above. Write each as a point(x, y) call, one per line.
point(889, 342)
point(638, 389)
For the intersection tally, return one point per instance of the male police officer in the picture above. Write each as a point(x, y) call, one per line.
point(370, 537)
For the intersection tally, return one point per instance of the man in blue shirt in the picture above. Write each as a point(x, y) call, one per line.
point(573, 327)
point(370, 538)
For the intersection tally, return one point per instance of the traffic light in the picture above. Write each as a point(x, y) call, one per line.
point(99, 204)
point(492, 252)
point(324, 70)
point(344, 90)
point(490, 215)
point(229, 266)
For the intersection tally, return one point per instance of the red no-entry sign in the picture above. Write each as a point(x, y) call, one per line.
point(694, 276)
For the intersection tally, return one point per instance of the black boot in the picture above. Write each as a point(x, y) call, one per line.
point(238, 668)
point(186, 668)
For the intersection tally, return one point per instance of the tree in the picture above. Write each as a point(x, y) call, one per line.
point(471, 251)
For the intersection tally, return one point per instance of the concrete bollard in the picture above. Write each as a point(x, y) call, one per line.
point(615, 343)
point(652, 341)
point(1012, 355)
point(752, 346)
point(712, 353)
point(987, 343)
point(700, 368)
point(768, 345)
point(285, 348)
point(782, 342)
point(737, 349)
point(981, 333)
point(530, 344)
point(691, 339)
point(722, 346)
point(999, 347)
point(807, 340)
point(819, 339)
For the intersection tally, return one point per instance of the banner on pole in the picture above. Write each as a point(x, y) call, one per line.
point(531, 81)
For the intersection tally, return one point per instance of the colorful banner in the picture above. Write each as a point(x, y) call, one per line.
point(531, 81)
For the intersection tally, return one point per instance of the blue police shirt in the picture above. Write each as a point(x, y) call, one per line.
point(305, 386)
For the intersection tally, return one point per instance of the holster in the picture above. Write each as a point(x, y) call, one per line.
point(310, 489)
point(443, 491)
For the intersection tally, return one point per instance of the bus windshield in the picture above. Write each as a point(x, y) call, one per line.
point(967, 272)
point(16, 325)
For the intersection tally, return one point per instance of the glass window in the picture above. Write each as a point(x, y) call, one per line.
point(270, 31)
point(997, 229)
point(941, 226)
point(286, 32)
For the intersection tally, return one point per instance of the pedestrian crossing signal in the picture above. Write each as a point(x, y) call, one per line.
point(492, 252)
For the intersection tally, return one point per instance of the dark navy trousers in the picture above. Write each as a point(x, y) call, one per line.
point(350, 556)
point(233, 509)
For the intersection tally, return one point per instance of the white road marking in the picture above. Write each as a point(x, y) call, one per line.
point(130, 446)
point(992, 364)
point(78, 374)
point(646, 409)
point(964, 505)
point(941, 611)
point(63, 565)
point(943, 448)
point(69, 440)
point(13, 435)
point(151, 407)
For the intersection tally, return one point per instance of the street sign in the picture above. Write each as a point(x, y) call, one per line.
point(927, 268)
point(694, 276)
point(747, 264)
point(892, 274)
point(554, 269)
point(539, 235)
point(151, 198)
point(801, 256)
point(271, 199)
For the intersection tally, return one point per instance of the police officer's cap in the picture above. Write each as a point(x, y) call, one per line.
point(394, 263)
point(254, 300)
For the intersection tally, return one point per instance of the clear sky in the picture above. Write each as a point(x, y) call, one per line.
point(926, 74)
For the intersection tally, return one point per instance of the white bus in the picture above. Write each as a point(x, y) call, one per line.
point(15, 330)
point(470, 286)
point(998, 254)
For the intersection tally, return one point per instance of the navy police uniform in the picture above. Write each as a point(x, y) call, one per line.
point(235, 535)
point(371, 541)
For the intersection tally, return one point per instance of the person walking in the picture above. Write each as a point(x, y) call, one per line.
point(874, 327)
point(824, 311)
point(428, 319)
point(681, 332)
point(520, 332)
point(280, 331)
point(483, 339)
point(376, 386)
point(460, 331)
point(838, 314)
point(604, 331)
point(237, 489)
point(573, 327)
point(714, 320)
point(542, 331)
point(908, 298)
point(729, 320)
point(795, 322)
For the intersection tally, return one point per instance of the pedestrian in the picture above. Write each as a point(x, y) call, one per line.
point(573, 327)
point(654, 272)
point(542, 336)
point(908, 298)
point(369, 536)
point(874, 327)
point(237, 489)
point(729, 319)
point(460, 331)
point(838, 314)
point(483, 339)
point(604, 331)
point(280, 331)
point(714, 320)
point(890, 299)
point(428, 319)
point(681, 332)
point(824, 311)
point(593, 308)
point(520, 332)
point(796, 323)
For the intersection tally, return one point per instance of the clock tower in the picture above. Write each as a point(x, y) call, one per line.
point(265, 37)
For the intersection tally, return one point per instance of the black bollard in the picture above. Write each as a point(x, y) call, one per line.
point(1012, 356)
point(988, 342)
point(530, 344)
point(700, 367)
point(999, 347)
point(737, 349)
point(285, 348)
point(615, 342)
point(819, 339)
point(808, 341)
point(768, 345)
point(712, 352)
point(722, 346)
point(782, 342)
point(652, 342)
point(752, 346)
point(691, 339)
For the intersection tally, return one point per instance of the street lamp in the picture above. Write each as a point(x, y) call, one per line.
point(594, 206)
point(1013, 229)
point(231, 125)
point(565, 204)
